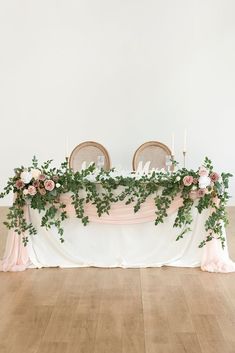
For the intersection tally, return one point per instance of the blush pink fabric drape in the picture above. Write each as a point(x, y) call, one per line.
point(16, 256)
point(214, 259)
point(123, 214)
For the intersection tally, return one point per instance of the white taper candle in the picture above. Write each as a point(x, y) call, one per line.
point(185, 141)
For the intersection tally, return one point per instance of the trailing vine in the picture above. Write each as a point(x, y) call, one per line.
point(41, 188)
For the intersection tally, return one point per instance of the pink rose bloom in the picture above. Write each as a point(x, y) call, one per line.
point(49, 185)
point(42, 177)
point(32, 190)
point(201, 192)
point(195, 181)
point(36, 183)
point(203, 171)
point(19, 184)
point(214, 177)
point(42, 191)
point(188, 180)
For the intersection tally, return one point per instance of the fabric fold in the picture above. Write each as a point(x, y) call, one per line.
point(16, 257)
point(121, 238)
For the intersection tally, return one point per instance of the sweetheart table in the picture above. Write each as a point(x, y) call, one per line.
point(112, 220)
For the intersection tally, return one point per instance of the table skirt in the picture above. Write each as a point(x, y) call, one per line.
point(121, 239)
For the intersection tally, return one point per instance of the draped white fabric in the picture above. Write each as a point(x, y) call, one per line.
point(115, 245)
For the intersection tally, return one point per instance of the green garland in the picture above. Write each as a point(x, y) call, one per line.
point(41, 188)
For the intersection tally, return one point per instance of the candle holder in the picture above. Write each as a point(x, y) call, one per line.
point(184, 159)
point(168, 162)
point(67, 162)
point(172, 162)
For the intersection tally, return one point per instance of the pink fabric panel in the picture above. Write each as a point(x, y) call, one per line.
point(124, 214)
point(216, 259)
point(16, 254)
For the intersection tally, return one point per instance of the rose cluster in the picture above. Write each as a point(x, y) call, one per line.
point(202, 182)
point(33, 182)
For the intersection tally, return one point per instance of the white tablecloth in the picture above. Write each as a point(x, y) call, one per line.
point(111, 245)
point(121, 239)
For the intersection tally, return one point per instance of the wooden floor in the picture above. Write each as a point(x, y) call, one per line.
point(90, 310)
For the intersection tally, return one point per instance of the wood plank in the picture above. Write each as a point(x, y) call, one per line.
point(84, 323)
point(166, 313)
point(133, 340)
point(53, 347)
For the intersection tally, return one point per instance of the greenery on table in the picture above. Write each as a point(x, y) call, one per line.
point(40, 187)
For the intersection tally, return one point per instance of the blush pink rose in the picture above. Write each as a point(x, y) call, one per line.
point(36, 183)
point(49, 185)
point(42, 177)
point(25, 192)
point(203, 171)
point(42, 191)
point(32, 190)
point(214, 177)
point(188, 180)
point(19, 184)
point(201, 192)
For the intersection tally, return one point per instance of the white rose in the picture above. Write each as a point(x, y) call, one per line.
point(35, 173)
point(204, 181)
point(25, 191)
point(26, 177)
point(58, 185)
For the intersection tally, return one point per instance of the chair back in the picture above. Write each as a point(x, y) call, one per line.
point(154, 152)
point(87, 153)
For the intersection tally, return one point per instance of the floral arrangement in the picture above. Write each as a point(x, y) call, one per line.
point(41, 187)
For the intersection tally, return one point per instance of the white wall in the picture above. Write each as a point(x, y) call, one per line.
point(119, 72)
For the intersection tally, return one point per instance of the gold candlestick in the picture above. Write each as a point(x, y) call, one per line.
point(172, 161)
point(67, 162)
point(184, 160)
